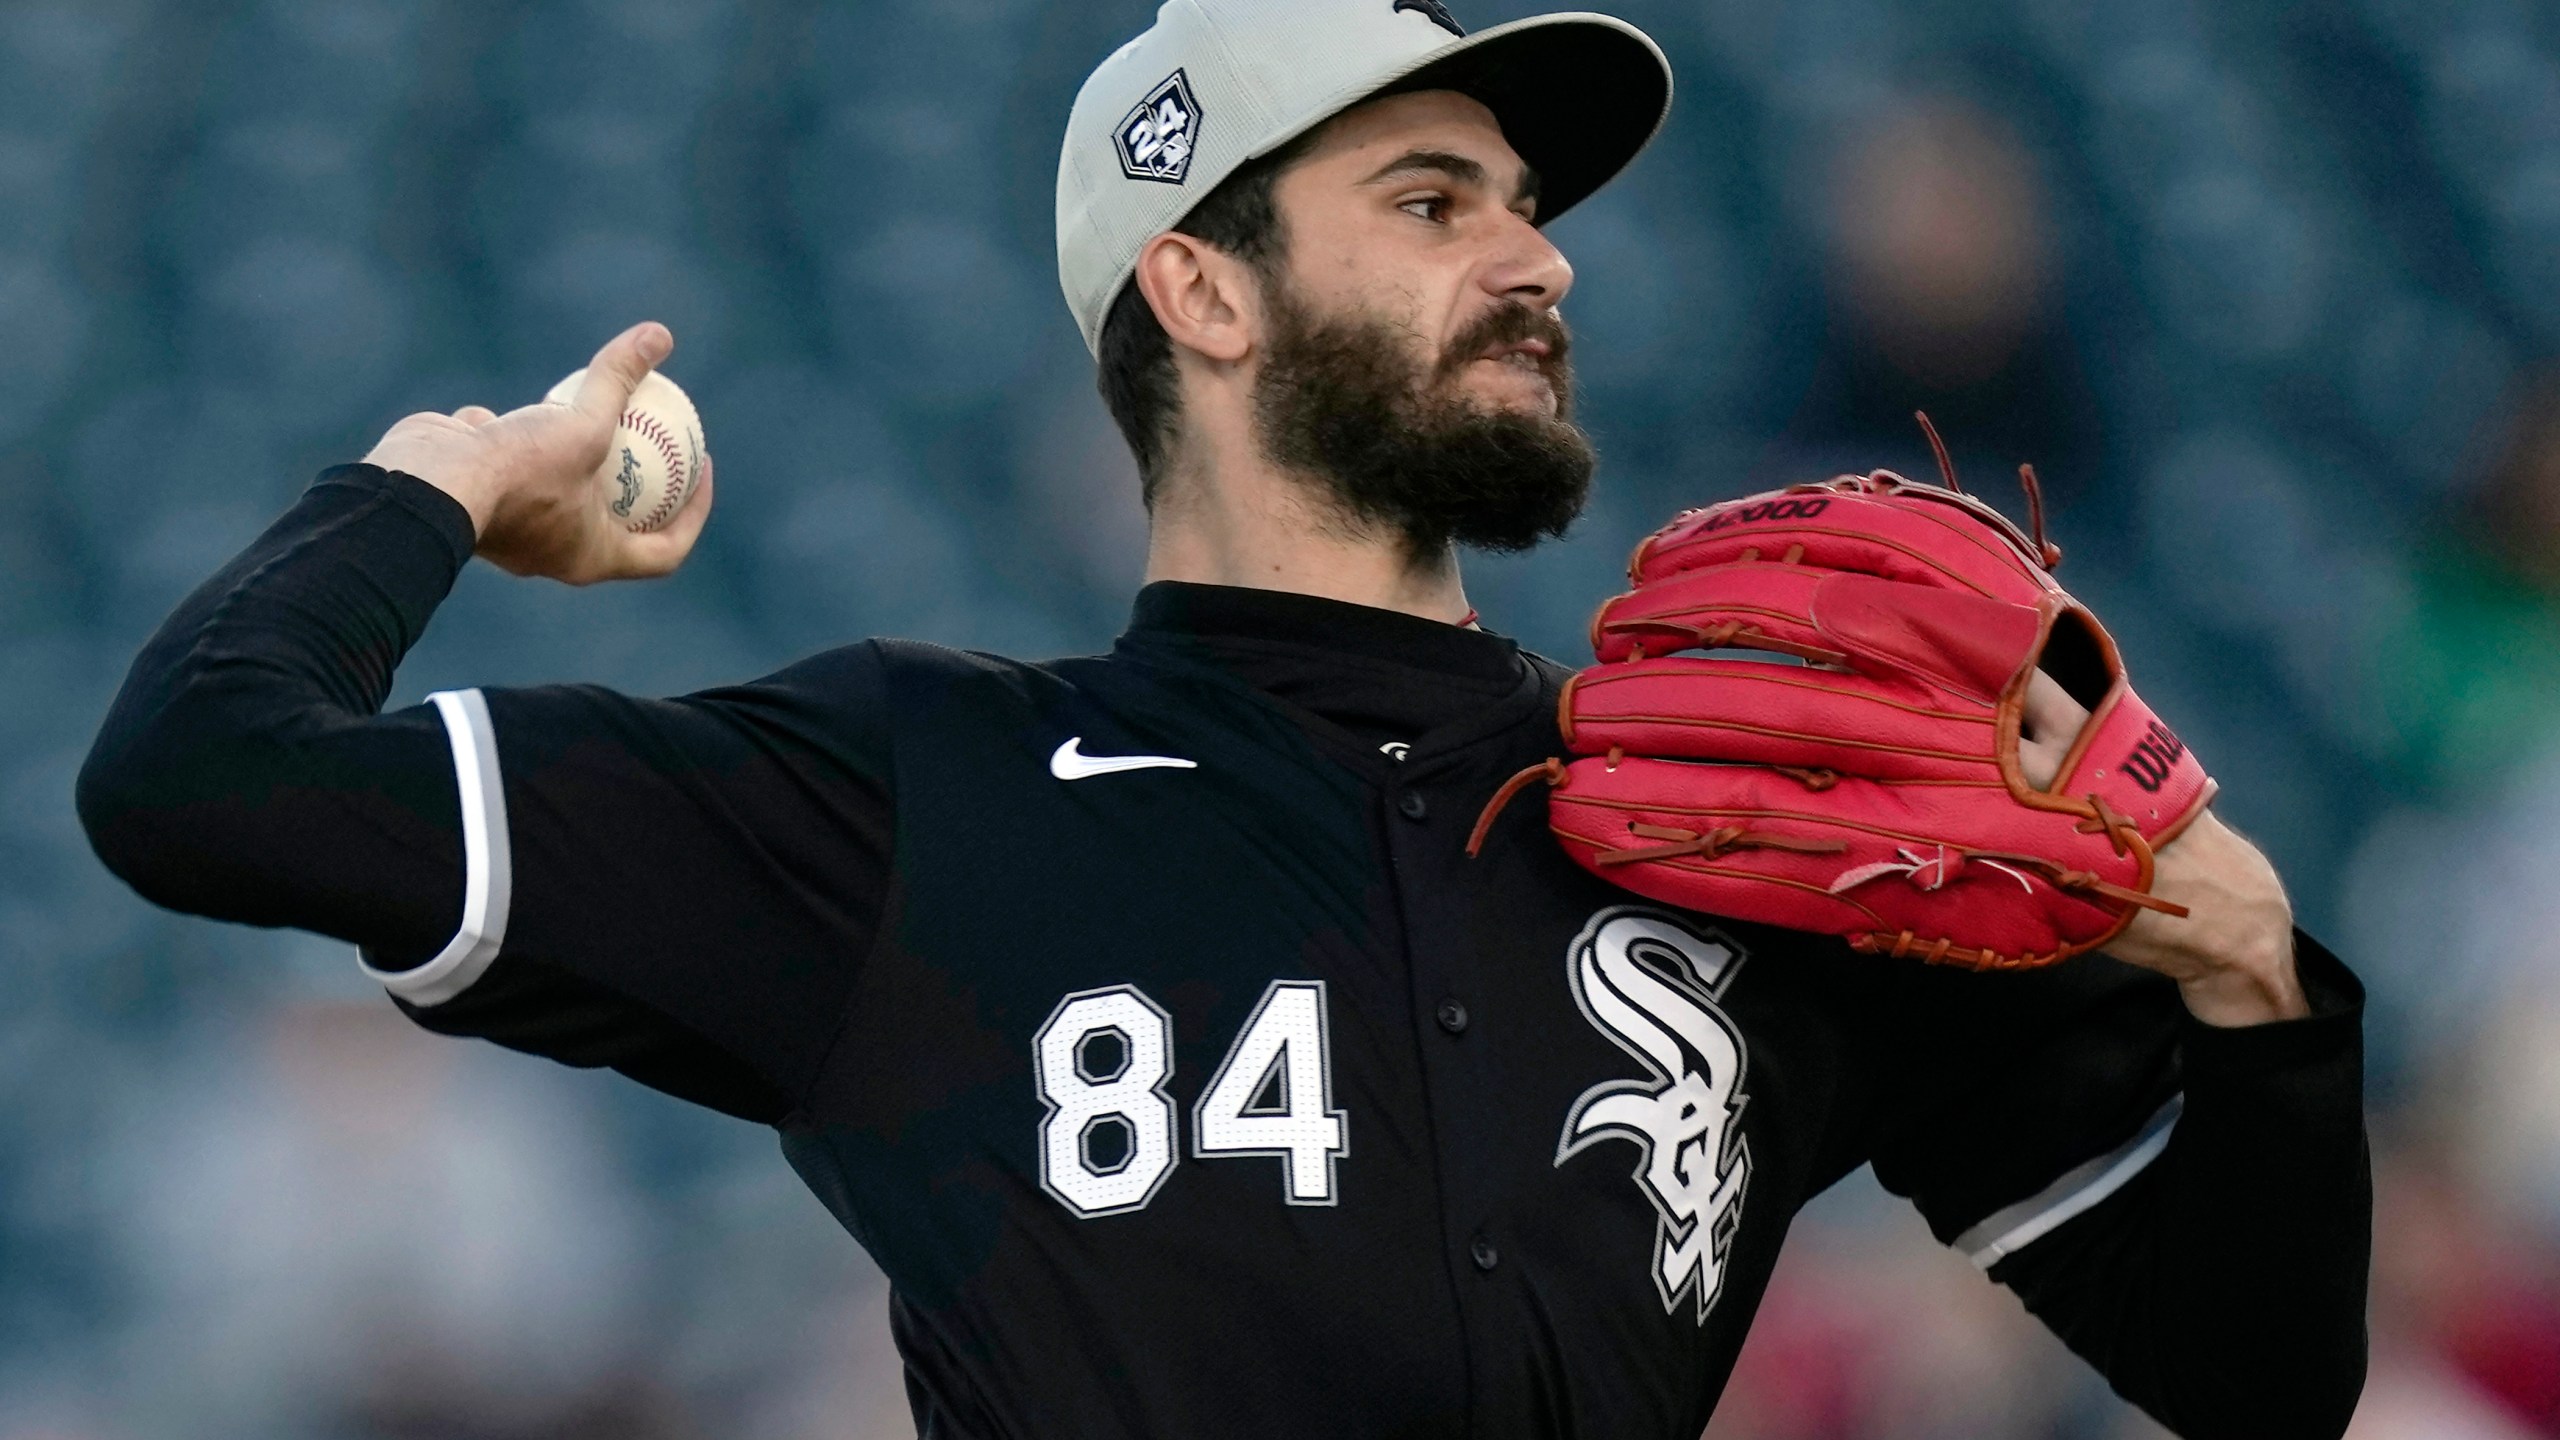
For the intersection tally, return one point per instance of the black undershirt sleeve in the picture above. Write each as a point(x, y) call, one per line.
point(2188, 1208)
point(690, 883)
point(243, 772)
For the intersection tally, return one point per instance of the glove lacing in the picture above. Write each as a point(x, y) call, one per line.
point(1706, 845)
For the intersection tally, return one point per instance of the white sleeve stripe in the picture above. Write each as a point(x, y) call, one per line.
point(487, 871)
point(2020, 1225)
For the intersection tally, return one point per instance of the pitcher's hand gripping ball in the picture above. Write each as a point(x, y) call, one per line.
point(657, 455)
point(1874, 790)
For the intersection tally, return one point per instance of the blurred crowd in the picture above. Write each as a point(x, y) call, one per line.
point(2268, 292)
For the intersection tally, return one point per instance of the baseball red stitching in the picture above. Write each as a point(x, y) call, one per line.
point(646, 425)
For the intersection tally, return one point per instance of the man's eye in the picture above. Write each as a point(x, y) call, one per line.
point(1434, 208)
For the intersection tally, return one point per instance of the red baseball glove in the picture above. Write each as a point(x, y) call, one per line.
point(1873, 791)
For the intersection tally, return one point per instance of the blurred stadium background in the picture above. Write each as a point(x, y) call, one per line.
point(2269, 292)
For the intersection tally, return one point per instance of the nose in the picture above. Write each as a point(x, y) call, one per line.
point(1528, 267)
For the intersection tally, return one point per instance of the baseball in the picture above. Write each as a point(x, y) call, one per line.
point(657, 456)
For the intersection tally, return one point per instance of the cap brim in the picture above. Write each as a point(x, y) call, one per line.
point(1578, 96)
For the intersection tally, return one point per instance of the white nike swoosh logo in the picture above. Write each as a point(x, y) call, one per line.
point(1071, 763)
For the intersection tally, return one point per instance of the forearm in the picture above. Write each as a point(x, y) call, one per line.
point(2223, 1289)
point(241, 772)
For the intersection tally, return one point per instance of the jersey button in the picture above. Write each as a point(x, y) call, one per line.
point(1483, 1253)
point(1412, 806)
point(1453, 1017)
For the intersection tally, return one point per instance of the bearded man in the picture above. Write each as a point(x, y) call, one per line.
point(1142, 1013)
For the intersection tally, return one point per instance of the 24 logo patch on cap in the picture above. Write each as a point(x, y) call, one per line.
point(1156, 140)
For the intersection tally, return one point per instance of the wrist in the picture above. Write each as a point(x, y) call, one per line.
point(2254, 986)
point(2232, 952)
point(419, 457)
point(479, 501)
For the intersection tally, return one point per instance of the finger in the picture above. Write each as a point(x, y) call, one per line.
point(475, 416)
point(660, 551)
point(2052, 717)
point(620, 366)
point(2047, 729)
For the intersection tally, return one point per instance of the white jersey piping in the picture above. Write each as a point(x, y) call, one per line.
point(488, 872)
point(2012, 1229)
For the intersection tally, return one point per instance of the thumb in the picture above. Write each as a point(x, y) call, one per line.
point(619, 368)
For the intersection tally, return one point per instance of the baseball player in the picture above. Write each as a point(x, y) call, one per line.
point(1143, 1014)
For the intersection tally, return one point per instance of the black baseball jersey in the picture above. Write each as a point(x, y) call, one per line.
point(1144, 1017)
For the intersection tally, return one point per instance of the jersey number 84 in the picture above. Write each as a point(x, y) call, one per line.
point(1109, 1141)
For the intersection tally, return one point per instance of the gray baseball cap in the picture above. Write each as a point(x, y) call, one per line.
point(1215, 83)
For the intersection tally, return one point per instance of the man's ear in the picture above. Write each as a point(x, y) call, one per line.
point(1205, 299)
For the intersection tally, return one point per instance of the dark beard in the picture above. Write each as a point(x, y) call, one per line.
point(1339, 399)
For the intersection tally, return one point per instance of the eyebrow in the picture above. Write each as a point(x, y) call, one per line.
point(1460, 168)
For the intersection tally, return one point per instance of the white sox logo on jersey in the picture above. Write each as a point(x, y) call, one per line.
point(1650, 983)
